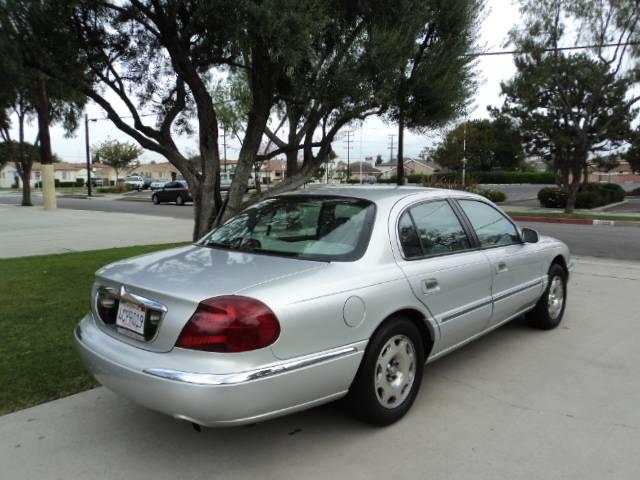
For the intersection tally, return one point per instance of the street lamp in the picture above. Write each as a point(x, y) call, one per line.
point(87, 151)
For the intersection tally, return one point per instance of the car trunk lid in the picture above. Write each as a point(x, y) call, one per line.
point(181, 278)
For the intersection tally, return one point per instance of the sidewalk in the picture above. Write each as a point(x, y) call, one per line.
point(516, 404)
point(26, 231)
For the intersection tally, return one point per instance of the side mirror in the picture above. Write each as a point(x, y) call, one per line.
point(530, 236)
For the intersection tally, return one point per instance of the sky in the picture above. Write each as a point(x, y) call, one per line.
point(369, 140)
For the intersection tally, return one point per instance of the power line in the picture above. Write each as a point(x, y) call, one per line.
point(554, 49)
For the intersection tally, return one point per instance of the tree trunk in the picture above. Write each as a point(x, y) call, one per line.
point(573, 191)
point(292, 157)
point(46, 157)
point(26, 165)
point(400, 167)
point(25, 176)
point(585, 180)
point(205, 206)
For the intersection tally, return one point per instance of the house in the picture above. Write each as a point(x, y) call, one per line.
point(621, 173)
point(9, 176)
point(363, 170)
point(411, 167)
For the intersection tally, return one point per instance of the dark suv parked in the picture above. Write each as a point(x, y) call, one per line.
point(178, 192)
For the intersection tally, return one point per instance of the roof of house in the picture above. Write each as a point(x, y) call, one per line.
point(364, 167)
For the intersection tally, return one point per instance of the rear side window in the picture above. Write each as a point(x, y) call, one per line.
point(491, 226)
point(431, 228)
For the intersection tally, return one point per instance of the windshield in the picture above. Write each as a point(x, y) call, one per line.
point(311, 227)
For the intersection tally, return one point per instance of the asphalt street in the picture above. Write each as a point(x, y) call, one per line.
point(104, 205)
point(586, 240)
point(517, 404)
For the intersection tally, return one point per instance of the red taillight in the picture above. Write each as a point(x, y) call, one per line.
point(230, 323)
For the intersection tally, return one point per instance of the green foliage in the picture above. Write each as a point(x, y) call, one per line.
point(118, 155)
point(497, 177)
point(495, 196)
point(12, 151)
point(632, 155)
point(607, 163)
point(41, 300)
point(588, 196)
point(489, 145)
point(569, 106)
point(432, 82)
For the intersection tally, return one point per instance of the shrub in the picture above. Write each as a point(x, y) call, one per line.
point(493, 195)
point(553, 197)
point(634, 192)
point(79, 182)
point(616, 191)
point(106, 190)
point(589, 199)
point(589, 196)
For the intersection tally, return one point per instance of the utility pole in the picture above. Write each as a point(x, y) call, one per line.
point(88, 153)
point(464, 154)
point(348, 140)
point(390, 147)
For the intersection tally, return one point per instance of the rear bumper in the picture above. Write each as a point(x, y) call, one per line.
point(219, 399)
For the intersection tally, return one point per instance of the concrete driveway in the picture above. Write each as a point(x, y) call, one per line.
point(517, 404)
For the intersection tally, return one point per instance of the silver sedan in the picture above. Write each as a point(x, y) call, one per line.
point(313, 296)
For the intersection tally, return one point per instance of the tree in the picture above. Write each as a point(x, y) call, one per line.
point(632, 155)
point(432, 85)
point(118, 155)
point(607, 163)
point(569, 106)
point(310, 70)
point(27, 92)
point(378, 159)
point(489, 145)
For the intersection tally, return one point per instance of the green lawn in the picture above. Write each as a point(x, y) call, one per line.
point(41, 300)
point(589, 216)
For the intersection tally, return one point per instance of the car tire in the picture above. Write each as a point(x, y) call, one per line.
point(548, 312)
point(390, 373)
point(179, 200)
point(155, 199)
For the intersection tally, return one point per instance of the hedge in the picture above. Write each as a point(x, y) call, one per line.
point(496, 177)
point(589, 196)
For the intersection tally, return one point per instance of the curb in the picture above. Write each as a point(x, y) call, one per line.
point(577, 221)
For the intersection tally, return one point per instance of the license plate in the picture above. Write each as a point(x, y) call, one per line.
point(131, 317)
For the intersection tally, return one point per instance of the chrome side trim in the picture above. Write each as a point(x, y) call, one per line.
point(450, 349)
point(513, 291)
point(464, 311)
point(250, 375)
point(496, 298)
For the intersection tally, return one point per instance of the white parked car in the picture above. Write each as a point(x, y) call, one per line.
point(135, 182)
point(157, 184)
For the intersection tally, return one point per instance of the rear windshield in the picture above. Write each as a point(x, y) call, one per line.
point(311, 227)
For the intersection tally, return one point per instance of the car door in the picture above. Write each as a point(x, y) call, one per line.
point(169, 192)
point(446, 270)
point(516, 266)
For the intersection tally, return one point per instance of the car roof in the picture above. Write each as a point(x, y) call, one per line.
point(380, 194)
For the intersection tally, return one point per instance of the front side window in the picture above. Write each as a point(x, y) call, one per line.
point(491, 226)
point(312, 227)
point(431, 228)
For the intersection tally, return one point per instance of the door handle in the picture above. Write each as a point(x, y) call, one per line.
point(502, 267)
point(430, 285)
